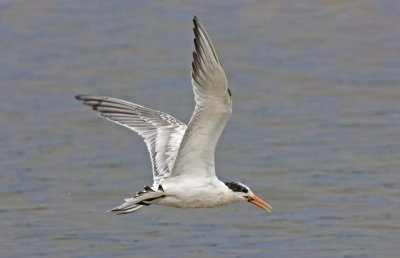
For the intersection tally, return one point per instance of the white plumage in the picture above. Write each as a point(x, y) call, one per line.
point(182, 156)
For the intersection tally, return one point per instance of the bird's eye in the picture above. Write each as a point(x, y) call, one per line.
point(245, 190)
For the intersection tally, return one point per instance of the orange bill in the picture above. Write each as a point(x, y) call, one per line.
point(259, 202)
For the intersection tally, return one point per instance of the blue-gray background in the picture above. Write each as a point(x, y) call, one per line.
point(315, 129)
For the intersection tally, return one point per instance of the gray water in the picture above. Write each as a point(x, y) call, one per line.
point(315, 129)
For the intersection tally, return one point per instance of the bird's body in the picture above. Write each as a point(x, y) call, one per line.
point(182, 155)
point(200, 193)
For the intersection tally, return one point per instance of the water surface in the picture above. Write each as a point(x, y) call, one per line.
point(315, 129)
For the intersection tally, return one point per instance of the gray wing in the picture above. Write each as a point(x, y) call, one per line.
point(212, 111)
point(161, 132)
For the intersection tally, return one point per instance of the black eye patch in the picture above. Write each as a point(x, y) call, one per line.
point(236, 187)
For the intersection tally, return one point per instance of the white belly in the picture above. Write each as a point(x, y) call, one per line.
point(196, 194)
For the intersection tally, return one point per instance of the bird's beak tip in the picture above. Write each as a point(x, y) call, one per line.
point(259, 202)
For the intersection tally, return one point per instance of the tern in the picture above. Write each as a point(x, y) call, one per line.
point(182, 156)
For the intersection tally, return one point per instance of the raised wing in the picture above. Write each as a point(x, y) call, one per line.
point(161, 132)
point(213, 108)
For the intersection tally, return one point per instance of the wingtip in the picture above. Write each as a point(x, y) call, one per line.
point(195, 21)
point(80, 96)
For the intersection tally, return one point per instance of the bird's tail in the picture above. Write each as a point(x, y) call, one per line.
point(143, 198)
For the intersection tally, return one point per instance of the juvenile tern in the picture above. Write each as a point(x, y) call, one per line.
point(182, 156)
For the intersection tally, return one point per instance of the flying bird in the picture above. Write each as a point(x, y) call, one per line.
point(182, 156)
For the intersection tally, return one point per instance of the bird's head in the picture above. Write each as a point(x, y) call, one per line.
point(243, 193)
